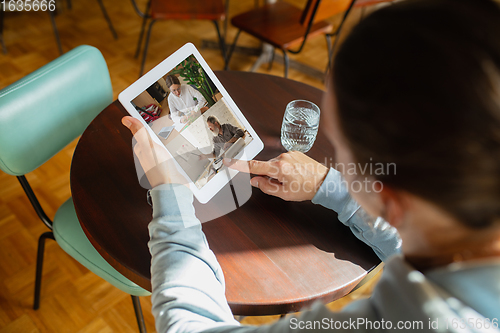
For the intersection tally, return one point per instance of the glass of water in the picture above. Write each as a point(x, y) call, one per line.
point(300, 125)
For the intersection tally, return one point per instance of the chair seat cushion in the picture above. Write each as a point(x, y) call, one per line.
point(72, 239)
point(278, 24)
point(187, 10)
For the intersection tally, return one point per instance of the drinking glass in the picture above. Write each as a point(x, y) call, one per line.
point(300, 125)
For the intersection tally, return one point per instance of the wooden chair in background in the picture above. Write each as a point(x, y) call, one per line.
point(287, 27)
point(352, 4)
point(213, 10)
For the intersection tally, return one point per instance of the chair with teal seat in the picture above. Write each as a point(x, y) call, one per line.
point(39, 115)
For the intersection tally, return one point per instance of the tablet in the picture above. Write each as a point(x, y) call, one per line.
point(196, 121)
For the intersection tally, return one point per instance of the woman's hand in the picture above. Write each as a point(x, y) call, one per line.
point(291, 176)
point(154, 158)
point(183, 119)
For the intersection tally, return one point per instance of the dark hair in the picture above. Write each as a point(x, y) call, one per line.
point(213, 120)
point(418, 84)
point(171, 79)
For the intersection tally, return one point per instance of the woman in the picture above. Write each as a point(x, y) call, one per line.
point(183, 99)
point(416, 84)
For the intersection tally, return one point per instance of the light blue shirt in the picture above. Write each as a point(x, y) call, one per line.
point(376, 232)
point(188, 284)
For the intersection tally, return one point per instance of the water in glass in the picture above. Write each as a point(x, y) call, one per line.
point(300, 125)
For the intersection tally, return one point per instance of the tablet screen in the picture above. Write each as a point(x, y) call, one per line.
point(204, 126)
point(192, 115)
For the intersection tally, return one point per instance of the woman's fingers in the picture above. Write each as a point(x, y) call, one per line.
point(266, 184)
point(290, 176)
point(255, 167)
point(238, 165)
point(155, 160)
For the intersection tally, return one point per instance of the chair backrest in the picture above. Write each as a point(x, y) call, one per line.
point(325, 9)
point(46, 110)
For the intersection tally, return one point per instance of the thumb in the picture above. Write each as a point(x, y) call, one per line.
point(134, 125)
point(138, 130)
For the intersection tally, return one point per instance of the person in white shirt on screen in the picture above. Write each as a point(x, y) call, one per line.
point(182, 99)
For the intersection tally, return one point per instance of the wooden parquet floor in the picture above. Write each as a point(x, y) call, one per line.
point(74, 299)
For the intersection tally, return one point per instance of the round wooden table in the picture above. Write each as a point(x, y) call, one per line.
point(277, 256)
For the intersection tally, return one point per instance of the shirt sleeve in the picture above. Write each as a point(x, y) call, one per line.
point(187, 281)
point(218, 144)
point(376, 232)
point(174, 112)
point(236, 132)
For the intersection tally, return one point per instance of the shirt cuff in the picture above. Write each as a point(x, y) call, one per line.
point(333, 193)
point(172, 200)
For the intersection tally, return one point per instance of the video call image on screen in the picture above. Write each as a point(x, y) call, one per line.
point(192, 120)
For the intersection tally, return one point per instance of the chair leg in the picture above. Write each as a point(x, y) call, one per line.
point(338, 32)
point(106, 16)
point(222, 43)
point(230, 53)
point(39, 266)
point(56, 32)
point(341, 25)
point(286, 62)
point(271, 60)
point(328, 38)
point(146, 44)
point(226, 18)
point(138, 314)
point(141, 35)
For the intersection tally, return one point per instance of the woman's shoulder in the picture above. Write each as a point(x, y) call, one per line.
point(473, 282)
point(404, 293)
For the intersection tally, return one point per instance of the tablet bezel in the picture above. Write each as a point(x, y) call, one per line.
point(213, 186)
